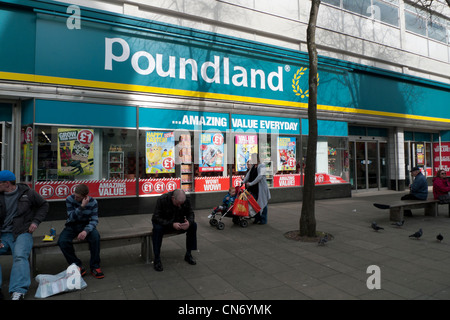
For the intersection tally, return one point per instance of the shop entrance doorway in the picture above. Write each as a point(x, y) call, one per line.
point(368, 164)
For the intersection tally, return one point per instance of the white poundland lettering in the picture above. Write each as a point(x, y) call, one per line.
point(216, 71)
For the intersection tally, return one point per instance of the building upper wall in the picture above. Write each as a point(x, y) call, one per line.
point(341, 33)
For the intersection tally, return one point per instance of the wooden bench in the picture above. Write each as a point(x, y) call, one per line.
point(396, 210)
point(108, 239)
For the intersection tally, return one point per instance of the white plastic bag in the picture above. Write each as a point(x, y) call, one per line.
point(65, 281)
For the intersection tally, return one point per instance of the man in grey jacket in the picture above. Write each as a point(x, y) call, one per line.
point(21, 212)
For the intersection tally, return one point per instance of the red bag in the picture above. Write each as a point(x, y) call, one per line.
point(240, 208)
point(252, 201)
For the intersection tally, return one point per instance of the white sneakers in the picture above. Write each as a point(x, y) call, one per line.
point(17, 296)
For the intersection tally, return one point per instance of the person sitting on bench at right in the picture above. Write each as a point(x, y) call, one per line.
point(418, 189)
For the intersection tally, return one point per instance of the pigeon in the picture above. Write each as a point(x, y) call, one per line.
point(398, 223)
point(417, 234)
point(376, 227)
point(439, 237)
point(323, 240)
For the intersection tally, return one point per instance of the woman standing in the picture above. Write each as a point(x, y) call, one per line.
point(256, 184)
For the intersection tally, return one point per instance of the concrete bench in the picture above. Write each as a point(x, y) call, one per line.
point(108, 239)
point(396, 210)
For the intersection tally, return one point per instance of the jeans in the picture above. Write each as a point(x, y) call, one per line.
point(69, 233)
point(263, 218)
point(19, 280)
point(160, 230)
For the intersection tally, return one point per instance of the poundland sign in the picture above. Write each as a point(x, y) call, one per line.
point(217, 71)
point(117, 58)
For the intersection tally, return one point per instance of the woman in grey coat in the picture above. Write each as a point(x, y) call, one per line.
point(256, 184)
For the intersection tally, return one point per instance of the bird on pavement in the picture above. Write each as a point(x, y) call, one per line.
point(417, 234)
point(323, 240)
point(376, 227)
point(439, 237)
point(398, 223)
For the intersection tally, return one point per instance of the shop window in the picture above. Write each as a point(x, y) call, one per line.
point(332, 161)
point(103, 159)
point(66, 154)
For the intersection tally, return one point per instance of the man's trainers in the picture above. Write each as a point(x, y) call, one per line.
point(97, 273)
point(17, 296)
point(82, 271)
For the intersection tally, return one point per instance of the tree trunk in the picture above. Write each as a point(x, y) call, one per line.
point(307, 218)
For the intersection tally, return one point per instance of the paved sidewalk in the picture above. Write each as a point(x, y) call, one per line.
point(260, 263)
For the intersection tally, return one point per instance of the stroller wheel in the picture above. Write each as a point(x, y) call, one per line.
point(213, 222)
point(221, 226)
point(243, 223)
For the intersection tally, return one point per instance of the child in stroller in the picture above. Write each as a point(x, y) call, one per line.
point(227, 202)
point(223, 209)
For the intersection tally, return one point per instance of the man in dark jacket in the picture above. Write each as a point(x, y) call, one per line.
point(418, 189)
point(21, 212)
point(173, 213)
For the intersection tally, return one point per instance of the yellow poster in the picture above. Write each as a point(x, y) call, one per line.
point(75, 152)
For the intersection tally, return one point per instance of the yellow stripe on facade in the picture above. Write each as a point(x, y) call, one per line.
point(197, 94)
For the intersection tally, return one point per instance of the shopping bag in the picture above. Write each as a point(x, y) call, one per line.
point(65, 281)
point(240, 207)
point(253, 202)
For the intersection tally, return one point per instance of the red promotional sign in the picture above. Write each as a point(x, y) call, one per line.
point(443, 156)
point(158, 186)
point(53, 190)
point(324, 178)
point(293, 180)
point(207, 184)
point(286, 180)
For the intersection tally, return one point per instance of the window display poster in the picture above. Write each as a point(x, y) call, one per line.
point(211, 152)
point(75, 152)
point(420, 154)
point(286, 147)
point(246, 145)
point(159, 152)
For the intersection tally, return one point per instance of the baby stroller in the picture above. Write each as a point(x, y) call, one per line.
point(241, 194)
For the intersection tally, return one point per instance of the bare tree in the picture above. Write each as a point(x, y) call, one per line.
point(428, 3)
point(307, 218)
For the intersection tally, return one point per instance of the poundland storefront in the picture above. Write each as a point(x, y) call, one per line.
point(135, 108)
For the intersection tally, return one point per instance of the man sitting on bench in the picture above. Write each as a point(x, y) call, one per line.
point(418, 191)
point(173, 213)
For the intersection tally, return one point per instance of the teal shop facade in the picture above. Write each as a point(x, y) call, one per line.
point(120, 79)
